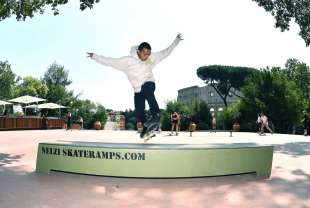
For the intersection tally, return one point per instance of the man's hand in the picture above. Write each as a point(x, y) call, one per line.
point(89, 55)
point(180, 36)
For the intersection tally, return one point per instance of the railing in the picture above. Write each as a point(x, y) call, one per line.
point(15, 123)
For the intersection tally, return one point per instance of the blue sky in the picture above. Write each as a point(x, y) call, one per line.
point(225, 32)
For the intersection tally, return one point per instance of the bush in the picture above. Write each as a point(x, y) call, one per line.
point(130, 126)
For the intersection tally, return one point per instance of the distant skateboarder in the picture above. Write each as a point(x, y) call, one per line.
point(138, 67)
point(264, 124)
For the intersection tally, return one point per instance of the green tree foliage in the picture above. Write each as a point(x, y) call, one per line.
point(299, 73)
point(224, 79)
point(231, 115)
point(100, 115)
point(7, 80)
point(31, 86)
point(57, 80)
point(272, 92)
point(198, 111)
point(90, 112)
point(130, 119)
point(286, 10)
point(200, 114)
point(182, 109)
point(28, 8)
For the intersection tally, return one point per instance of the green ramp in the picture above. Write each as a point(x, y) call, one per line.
point(155, 160)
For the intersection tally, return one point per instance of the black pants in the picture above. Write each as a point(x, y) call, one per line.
point(146, 93)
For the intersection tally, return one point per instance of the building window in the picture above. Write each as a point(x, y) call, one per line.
point(211, 94)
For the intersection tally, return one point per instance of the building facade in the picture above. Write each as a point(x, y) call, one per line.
point(207, 94)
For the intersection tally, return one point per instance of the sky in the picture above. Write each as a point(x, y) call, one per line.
point(222, 32)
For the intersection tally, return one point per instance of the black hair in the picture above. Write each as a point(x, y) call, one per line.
point(144, 45)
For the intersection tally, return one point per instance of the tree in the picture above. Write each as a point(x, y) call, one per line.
point(172, 106)
point(200, 113)
point(273, 93)
point(130, 119)
point(57, 81)
point(224, 79)
point(197, 110)
point(89, 111)
point(286, 10)
point(7, 80)
point(100, 115)
point(28, 8)
point(231, 115)
point(299, 73)
point(31, 86)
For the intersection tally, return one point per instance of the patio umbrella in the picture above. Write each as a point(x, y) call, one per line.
point(46, 106)
point(31, 106)
point(50, 106)
point(4, 103)
point(26, 99)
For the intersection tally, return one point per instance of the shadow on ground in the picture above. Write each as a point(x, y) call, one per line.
point(6, 159)
point(294, 148)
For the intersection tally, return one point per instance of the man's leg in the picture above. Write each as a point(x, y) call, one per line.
point(262, 129)
point(269, 129)
point(139, 107)
point(148, 90)
point(177, 128)
point(172, 127)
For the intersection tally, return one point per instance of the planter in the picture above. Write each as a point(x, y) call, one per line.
point(97, 125)
point(192, 127)
point(139, 127)
point(236, 127)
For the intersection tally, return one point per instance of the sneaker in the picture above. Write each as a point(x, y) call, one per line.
point(143, 132)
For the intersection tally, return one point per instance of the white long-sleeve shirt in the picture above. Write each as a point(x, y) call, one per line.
point(138, 72)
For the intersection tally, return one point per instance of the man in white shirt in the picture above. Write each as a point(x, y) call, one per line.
point(138, 67)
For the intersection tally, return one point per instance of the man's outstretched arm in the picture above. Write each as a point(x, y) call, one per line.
point(117, 63)
point(159, 56)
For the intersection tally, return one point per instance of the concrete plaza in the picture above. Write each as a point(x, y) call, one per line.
point(21, 186)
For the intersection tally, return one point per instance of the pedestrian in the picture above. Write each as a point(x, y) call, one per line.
point(69, 120)
point(175, 123)
point(306, 122)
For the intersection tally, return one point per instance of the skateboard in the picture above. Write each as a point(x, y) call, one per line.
point(149, 132)
point(149, 136)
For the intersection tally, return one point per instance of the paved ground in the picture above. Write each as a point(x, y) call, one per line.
point(20, 186)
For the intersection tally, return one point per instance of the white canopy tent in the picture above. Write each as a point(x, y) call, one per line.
point(27, 99)
point(47, 106)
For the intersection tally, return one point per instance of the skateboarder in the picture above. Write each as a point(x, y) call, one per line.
point(264, 124)
point(138, 68)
